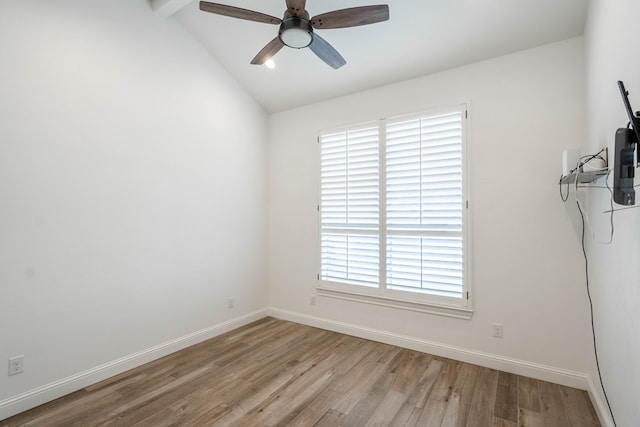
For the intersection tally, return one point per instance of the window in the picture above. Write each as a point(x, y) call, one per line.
point(393, 211)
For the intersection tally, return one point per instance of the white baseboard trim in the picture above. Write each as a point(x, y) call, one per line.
point(599, 404)
point(35, 397)
point(32, 398)
point(493, 361)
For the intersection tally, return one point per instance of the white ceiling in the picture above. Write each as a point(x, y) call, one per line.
point(421, 37)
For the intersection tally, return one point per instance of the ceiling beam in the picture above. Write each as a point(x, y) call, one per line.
point(168, 7)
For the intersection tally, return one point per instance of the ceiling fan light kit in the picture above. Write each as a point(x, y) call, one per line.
point(295, 32)
point(296, 28)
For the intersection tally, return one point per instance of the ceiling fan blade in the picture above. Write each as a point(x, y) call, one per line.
point(326, 52)
point(237, 12)
point(351, 17)
point(268, 51)
point(296, 7)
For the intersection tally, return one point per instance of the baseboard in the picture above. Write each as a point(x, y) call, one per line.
point(32, 398)
point(493, 361)
point(599, 404)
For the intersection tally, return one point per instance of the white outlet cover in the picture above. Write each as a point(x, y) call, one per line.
point(497, 330)
point(16, 365)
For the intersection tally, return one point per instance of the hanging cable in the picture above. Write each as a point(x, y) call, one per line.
point(577, 171)
point(593, 329)
point(606, 181)
point(585, 223)
point(564, 198)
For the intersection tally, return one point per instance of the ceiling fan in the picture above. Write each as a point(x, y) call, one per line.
point(296, 28)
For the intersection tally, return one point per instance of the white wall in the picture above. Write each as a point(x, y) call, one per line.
point(612, 55)
point(525, 108)
point(133, 192)
point(132, 188)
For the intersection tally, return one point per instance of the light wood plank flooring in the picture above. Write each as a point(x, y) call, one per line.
point(277, 373)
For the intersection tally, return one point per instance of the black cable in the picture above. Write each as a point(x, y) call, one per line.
point(591, 157)
point(600, 186)
point(576, 170)
point(564, 199)
point(622, 209)
point(586, 262)
point(595, 156)
point(606, 181)
point(593, 329)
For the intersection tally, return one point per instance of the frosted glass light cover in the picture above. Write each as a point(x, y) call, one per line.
point(296, 38)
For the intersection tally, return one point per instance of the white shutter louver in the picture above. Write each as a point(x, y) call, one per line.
point(424, 209)
point(349, 206)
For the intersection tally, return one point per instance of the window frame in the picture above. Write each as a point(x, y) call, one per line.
point(382, 295)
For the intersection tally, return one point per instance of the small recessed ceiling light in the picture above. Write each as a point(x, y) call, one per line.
point(270, 64)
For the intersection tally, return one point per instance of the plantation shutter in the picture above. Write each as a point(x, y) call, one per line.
point(349, 206)
point(424, 204)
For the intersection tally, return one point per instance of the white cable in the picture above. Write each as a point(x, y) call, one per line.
point(593, 158)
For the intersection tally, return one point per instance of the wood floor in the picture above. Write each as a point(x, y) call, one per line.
point(277, 373)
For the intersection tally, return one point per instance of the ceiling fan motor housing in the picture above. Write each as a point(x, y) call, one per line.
point(296, 31)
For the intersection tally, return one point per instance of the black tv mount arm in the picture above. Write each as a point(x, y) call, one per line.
point(627, 139)
point(634, 120)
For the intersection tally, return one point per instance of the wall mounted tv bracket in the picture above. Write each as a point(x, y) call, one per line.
point(627, 140)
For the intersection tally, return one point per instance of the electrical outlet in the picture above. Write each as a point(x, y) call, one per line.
point(497, 330)
point(16, 365)
point(312, 300)
point(230, 302)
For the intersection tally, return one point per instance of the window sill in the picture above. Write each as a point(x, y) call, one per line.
point(419, 306)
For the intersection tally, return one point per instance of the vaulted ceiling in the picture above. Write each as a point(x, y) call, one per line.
point(421, 37)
